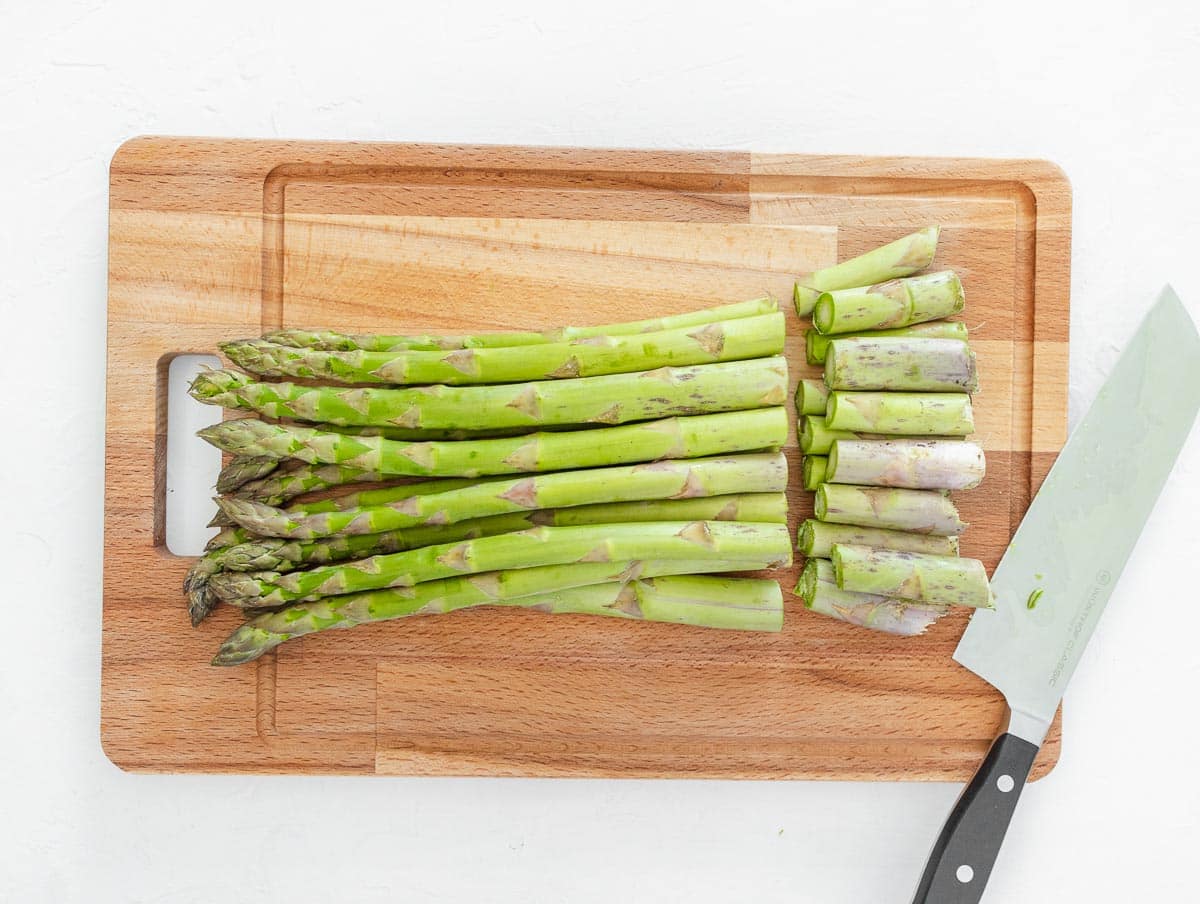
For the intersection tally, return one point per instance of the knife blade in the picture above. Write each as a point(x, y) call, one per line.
point(1058, 573)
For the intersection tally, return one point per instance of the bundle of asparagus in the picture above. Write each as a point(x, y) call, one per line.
point(611, 470)
point(883, 436)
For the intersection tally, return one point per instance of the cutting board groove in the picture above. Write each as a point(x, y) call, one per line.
point(212, 239)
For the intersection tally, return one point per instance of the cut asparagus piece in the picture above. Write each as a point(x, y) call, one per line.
point(813, 471)
point(727, 340)
point(242, 469)
point(278, 554)
point(821, 594)
point(330, 340)
point(811, 397)
point(816, 438)
point(666, 540)
point(944, 580)
point(691, 437)
point(887, 305)
point(816, 346)
point(912, 463)
point(817, 538)
point(629, 590)
point(919, 511)
point(679, 479)
point(608, 399)
point(902, 257)
point(899, 413)
point(901, 364)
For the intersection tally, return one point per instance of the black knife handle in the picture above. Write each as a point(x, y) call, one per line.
point(962, 859)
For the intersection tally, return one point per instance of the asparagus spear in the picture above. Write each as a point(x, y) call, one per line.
point(902, 257)
point(743, 603)
point(946, 580)
point(918, 511)
point(724, 540)
point(911, 463)
point(727, 340)
point(195, 584)
point(608, 399)
point(904, 364)
point(880, 613)
point(813, 471)
point(279, 554)
point(896, 303)
point(811, 397)
point(903, 413)
point(681, 479)
point(816, 539)
point(710, 434)
point(290, 482)
point(327, 339)
point(816, 346)
point(242, 469)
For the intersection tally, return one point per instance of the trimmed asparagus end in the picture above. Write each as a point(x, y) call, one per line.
point(811, 397)
point(804, 298)
point(813, 471)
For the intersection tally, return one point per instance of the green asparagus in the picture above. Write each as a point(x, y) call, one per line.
point(679, 479)
point(725, 540)
point(918, 511)
point(812, 471)
point(710, 434)
point(902, 257)
point(279, 554)
point(812, 396)
point(609, 399)
point(915, 464)
point(880, 613)
point(901, 364)
point(816, 346)
point(944, 580)
point(242, 469)
point(816, 438)
point(327, 339)
point(629, 590)
point(887, 305)
point(817, 538)
point(900, 413)
point(728, 340)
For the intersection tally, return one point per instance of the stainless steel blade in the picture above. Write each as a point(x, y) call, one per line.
point(1085, 520)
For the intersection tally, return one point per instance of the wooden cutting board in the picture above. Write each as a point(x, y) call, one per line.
point(212, 239)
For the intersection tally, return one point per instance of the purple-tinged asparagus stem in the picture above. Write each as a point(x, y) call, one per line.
point(911, 463)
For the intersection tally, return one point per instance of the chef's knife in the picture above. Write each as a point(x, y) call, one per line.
point(1057, 575)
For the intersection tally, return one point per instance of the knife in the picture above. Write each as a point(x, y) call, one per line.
point(1057, 575)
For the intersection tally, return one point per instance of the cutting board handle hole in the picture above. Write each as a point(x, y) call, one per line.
point(188, 466)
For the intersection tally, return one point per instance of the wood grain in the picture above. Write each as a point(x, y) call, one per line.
point(211, 239)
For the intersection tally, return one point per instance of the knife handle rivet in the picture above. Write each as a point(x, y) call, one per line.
point(1005, 783)
point(964, 874)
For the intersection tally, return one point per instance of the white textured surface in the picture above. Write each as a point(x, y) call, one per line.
point(1102, 91)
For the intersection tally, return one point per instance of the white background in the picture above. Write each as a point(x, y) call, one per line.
point(1106, 91)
